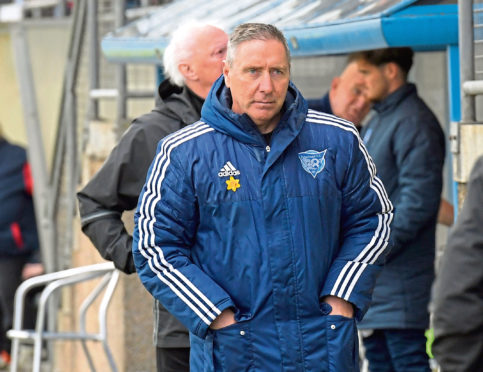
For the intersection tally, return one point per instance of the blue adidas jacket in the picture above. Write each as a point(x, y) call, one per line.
point(226, 221)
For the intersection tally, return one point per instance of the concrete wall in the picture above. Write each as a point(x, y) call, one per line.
point(11, 117)
point(47, 41)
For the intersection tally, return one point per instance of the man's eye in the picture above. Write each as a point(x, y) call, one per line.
point(278, 72)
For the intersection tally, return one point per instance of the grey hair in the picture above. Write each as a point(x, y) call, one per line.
point(180, 48)
point(254, 31)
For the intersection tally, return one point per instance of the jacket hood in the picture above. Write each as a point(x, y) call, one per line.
point(175, 102)
point(217, 113)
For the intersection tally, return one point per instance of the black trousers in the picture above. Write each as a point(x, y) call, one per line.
point(173, 359)
point(10, 279)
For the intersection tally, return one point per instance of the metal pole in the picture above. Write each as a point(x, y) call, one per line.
point(71, 70)
point(71, 177)
point(36, 153)
point(467, 62)
point(93, 111)
point(473, 88)
point(70, 122)
point(120, 7)
point(454, 89)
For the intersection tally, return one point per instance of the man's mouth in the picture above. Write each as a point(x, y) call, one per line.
point(263, 103)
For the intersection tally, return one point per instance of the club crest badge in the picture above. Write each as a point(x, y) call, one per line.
point(313, 161)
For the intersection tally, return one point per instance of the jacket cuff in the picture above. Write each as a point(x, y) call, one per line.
point(202, 328)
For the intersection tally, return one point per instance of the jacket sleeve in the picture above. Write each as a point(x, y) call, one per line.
point(418, 151)
point(166, 221)
point(114, 189)
point(364, 232)
point(458, 289)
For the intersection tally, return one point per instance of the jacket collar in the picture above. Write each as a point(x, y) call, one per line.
point(183, 104)
point(325, 104)
point(395, 97)
point(217, 113)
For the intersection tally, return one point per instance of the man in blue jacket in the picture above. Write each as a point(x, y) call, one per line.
point(407, 144)
point(263, 226)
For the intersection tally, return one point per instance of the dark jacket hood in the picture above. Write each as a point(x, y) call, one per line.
point(176, 102)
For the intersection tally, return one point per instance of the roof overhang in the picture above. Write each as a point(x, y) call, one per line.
point(401, 23)
point(424, 27)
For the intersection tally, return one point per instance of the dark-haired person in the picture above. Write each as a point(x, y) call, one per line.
point(407, 144)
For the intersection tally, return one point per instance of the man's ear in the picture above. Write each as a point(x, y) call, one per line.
point(392, 70)
point(187, 71)
point(335, 83)
point(226, 73)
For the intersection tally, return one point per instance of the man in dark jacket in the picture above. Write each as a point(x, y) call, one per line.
point(407, 144)
point(458, 290)
point(346, 98)
point(192, 61)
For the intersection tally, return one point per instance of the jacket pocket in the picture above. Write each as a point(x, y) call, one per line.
point(232, 348)
point(342, 343)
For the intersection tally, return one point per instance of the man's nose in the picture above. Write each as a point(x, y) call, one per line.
point(266, 84)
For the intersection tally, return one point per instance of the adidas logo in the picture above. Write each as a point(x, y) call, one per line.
point(228, 170)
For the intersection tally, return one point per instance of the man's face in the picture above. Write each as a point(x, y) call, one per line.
point(208, 56)
point(258, 79)
point(347, 96)
point(375, 80)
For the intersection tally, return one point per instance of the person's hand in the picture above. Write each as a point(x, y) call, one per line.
point(32, 269)
point(225, 319)
point(339, 306)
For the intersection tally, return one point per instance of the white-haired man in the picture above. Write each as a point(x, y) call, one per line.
point(263, 226)
point(192, 62)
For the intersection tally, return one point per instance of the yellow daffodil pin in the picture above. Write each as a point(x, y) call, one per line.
point(232, 184)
